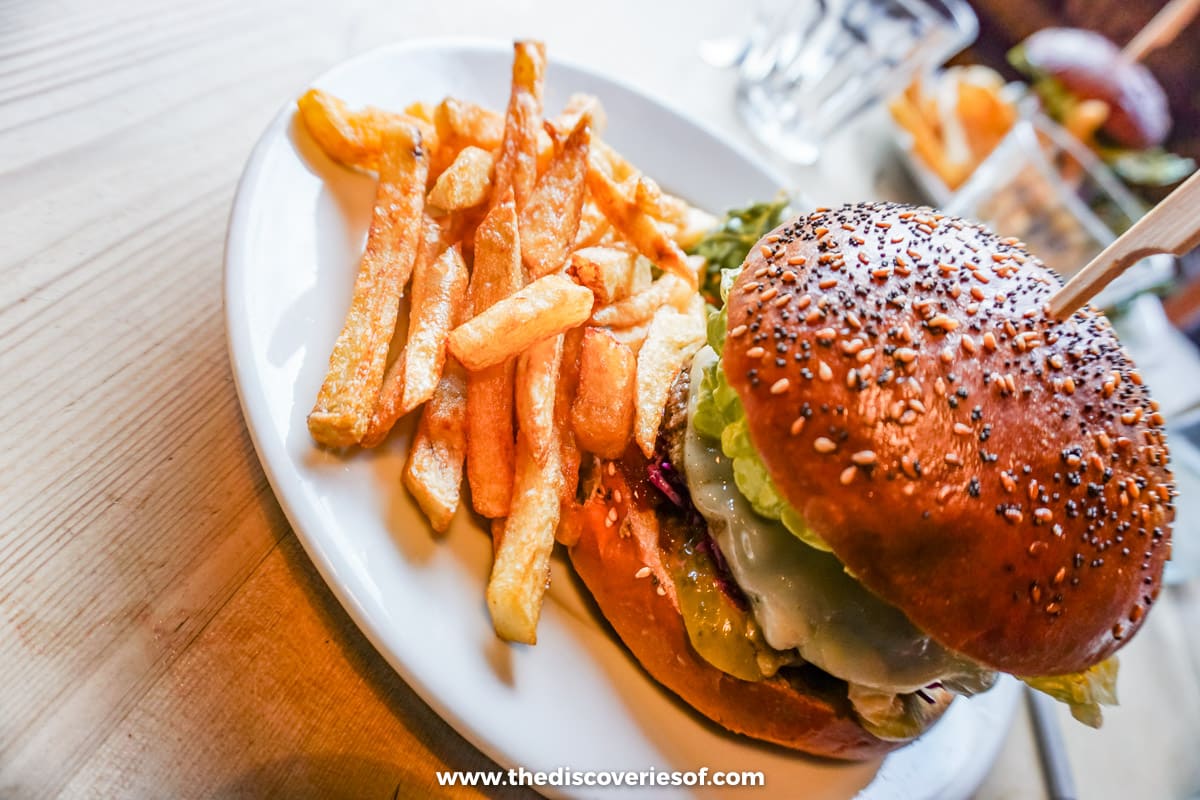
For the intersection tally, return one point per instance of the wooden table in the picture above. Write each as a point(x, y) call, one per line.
point(162, 633)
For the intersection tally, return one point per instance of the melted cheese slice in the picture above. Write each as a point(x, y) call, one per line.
point(802, 597)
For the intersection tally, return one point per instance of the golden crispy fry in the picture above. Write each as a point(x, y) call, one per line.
point(347, 397)
point(466, 182)
point(521, 569)
point(420, 110)
point(550, 220)
point(389, 404)
point(353, 138)
point(546, 307)
point(611, 273)
point(602, 414)
point(613, 163)
point(468, 125)
point(637, 226)
point(640, 307)
point(985, 117)
point(439, 298)
point(577, 106)
point(673, 337)
point(632, 337)
point(568, 383)
point(433, 472)
point(537, 378)
point(593, 225)
point(652, 200)
point(490, 438)
point(926, 142)
point(517, 164)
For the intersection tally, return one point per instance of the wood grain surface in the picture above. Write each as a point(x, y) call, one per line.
point(162, 633)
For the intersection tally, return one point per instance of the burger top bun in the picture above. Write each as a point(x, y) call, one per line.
point(999, 477)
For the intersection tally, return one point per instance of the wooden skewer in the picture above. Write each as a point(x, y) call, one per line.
point(1172, 226)
point(1162, 29)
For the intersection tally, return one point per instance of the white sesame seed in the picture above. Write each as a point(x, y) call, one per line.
point(864, 458)
point(824, 445)
point(644, 572)
point(848, 475)
point(780, 386)
point(824, 372)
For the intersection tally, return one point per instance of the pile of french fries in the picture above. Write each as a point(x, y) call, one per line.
point(551, 306)
point(956, 118)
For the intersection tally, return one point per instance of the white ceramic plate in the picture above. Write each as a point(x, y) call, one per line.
point(576, 700)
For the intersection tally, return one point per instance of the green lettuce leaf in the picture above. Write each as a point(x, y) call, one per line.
point(719, 415)
point(726, 246)
point(1083, 691)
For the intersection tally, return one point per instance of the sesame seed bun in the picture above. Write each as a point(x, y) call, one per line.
point(1000, 477)
point(622, 567)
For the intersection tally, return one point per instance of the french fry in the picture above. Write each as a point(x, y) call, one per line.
point(632, 337)
point(420, 110)
point(537, 379)
point(926, 142)
point(353, 138)
point(520, 572)
point(466, 124)
point(490, 437)
point(439, 297)
point(652, 200)
point(578, 105)
point(389, 404)
point(613, 163)
point(593, 225)
point(517, 164)
point(568, 383)
point(433, 471)
point(640, 307)
point(356, 366)
point(603, 411)
point(611, 273)
point(673, 337)
point(466, 182)
point(550, 220)
point(637, 226)
point(546, 307)
point(985, 118)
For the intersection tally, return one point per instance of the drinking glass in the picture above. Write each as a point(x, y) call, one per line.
point(812, 65)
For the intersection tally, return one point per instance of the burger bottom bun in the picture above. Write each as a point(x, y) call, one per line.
point(802, 711)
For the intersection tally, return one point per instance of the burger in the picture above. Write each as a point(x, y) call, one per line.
point(889, 477)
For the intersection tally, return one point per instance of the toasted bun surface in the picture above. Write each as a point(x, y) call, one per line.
point(798, 712)
point(999, 477)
